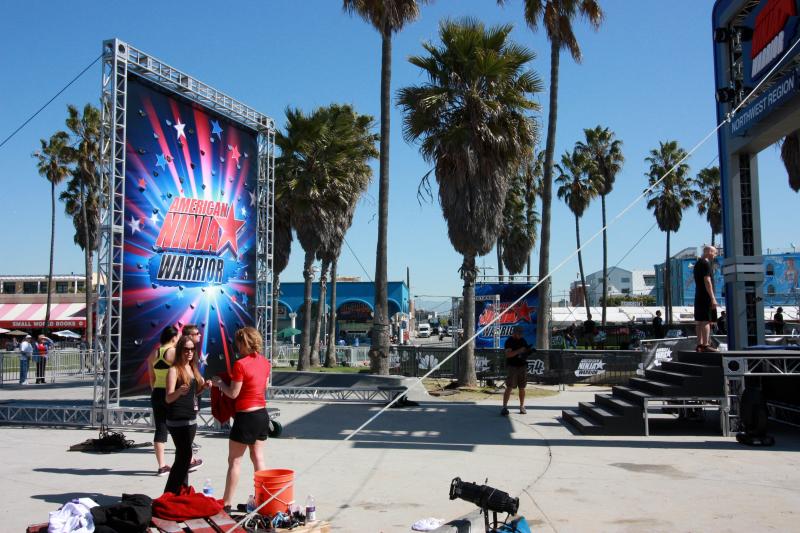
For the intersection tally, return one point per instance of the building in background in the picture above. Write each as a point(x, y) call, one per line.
point(354, 307)
point(621, 283)
point(23, 302)
point(781, 287)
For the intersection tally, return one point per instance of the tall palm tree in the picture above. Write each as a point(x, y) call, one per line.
point(520, 220)
point(557, 17)
point(472, 121)
point(321, 153)
point(82, 195)
point(533, 188)
point(604, 159)
point(577, 189)
point(53, 165)
point(790, 154)
point(668, 198)
point(282, 246)
point(388, 17)
point(708, 195)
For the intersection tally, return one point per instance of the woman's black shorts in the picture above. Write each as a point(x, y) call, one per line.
point(158, 400)
point(250, 426)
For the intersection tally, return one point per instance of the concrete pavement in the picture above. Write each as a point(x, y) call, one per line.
point(399, 469)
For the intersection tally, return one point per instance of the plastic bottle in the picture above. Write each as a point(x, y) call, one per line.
point(311, 509)
point(251, 504)
point(208, 490)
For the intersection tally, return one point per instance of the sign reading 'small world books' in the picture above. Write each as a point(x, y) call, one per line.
point(190, 225)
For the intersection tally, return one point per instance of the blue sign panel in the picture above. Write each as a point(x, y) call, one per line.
point(765, 104)
point(522, 314)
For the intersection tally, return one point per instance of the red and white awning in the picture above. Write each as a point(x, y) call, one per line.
point(62, 315)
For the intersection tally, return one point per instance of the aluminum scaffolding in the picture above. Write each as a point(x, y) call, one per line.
point(119, 59)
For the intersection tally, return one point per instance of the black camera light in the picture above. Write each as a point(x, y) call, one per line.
point(486, 497)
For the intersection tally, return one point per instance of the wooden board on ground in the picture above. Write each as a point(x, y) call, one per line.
point(318, 526)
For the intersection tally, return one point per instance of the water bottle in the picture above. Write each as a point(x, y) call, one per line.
point(311, 509)
point(251, 504)
point(208, 490)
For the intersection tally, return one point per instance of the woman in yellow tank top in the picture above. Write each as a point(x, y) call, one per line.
point(159, 364)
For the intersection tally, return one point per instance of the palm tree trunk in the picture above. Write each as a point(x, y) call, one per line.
point(605, 261)
point(466, 368)
point(500, 272)
point(304, 361)
point(668, 287)
point(52, 248)
point(323, 277)
point(543, 313)
point(712, 238)
point(580, 263)
point(330, 353)
point(276, 296)
point(87, 256)
point(379, 352)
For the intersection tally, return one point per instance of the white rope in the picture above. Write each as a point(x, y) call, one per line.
point(498, 316)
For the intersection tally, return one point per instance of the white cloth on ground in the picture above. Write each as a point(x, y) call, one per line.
point(427, 524)
point(73, 517)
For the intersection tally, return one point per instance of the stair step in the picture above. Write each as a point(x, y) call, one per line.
point(667, 376)
point(690, 368)
point(618, 404)
point(656, 387)
point(703, 358)
point(605, 417)
point(582, 423)
point(631, 395)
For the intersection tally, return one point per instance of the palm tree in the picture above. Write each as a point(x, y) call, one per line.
point(282, 246)
point(388, 17)
point(669, 194)
point(53, 165)
point(604, 159)
point(82, 195)
point(557, 17)
point(520, 220)
point(321, 153)
point(471, 119)
point(533, 188)
point(790, 154)
point(577, 189)
point(709, 198)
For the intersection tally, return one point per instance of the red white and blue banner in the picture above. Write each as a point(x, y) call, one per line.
point(190, 227)
point(776, 27)
point(487, 306)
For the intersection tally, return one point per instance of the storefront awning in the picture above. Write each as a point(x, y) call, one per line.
point(62, 315)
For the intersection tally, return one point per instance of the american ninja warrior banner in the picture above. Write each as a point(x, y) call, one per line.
point(523, 314)
point(190, 226)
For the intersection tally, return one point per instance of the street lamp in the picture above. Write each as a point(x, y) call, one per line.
point(293, 316)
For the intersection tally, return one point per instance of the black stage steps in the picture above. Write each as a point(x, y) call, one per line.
point(621, 412)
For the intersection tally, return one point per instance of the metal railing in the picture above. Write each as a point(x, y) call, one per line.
point(59, 365)
point(355, 356)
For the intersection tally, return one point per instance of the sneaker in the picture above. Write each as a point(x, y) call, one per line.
point(163, 471)
point(522, 410)
point(504, 412)
point(195, 464)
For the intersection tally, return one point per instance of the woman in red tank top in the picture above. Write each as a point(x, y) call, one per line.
point(251, 422)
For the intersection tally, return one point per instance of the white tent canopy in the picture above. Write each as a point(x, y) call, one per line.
point(565, 316)
point(67, 333)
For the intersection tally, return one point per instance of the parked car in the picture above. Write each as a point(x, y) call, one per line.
point(424, 330)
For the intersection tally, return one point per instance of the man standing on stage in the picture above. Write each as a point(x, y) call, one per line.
point(516, 350)
point(705, 303)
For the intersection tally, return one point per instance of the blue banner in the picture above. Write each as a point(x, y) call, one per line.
point(494, 298)
point(765, 104)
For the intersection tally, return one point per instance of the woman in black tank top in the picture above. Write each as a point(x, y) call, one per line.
point(184, 385)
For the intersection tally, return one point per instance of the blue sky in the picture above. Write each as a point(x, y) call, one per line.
point(647, 74)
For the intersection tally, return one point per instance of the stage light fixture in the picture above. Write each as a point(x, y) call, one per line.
point(725, 95)
point(722, 35)
point(745, 33)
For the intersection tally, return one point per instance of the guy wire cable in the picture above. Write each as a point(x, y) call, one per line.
point(497, 317)
point(81, 73)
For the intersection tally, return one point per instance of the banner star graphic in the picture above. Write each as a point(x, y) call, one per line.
point(135, 225)
point(215, 129)
point(230, 228)
point(252, 198)
point(179, 127)
point(161, 161)
point(235, 154)
point(154, 218)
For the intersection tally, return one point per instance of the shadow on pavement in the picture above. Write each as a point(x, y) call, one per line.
point(64, 497)
point(94, 472)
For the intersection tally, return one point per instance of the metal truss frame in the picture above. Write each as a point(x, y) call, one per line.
point(738, 367)
point(119, 59)
point(356, 394)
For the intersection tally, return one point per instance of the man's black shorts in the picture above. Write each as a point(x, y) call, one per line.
point(250, 426)
point(703, 311)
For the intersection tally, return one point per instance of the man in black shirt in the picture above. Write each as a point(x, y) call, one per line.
point(516, 350)
point(722, 324)
point(588, 332)
point(778, 322)
point(705, 303)
point(658, 326)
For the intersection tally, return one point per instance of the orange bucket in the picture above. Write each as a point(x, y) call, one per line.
point(268, 483)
